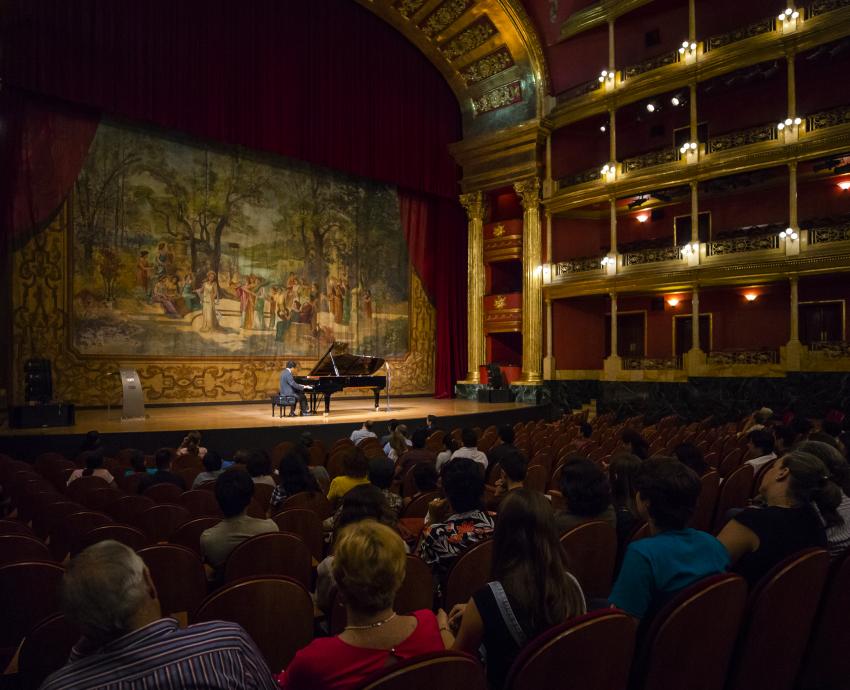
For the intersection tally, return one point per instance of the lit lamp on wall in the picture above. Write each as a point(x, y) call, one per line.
point(689, 151)
point(750, 297)
point(609, 172)
point(844, 185)
point(787, 21)
point(609, 264)
point(687, 51)
point(789, 235)
point(673, 301)
point(790, 128)
point(642, 217)
point(606, 78)
point(690, 253)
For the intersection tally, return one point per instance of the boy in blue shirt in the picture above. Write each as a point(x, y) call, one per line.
point(675, 556)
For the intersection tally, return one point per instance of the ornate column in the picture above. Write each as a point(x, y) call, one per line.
point(475, 206)
point(532, 281)
point(794, 348)
point(613, 363)
point(549, 359)
point(695, 344)
point(792, 246)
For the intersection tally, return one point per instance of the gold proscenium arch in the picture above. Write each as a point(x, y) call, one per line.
point(487, 50)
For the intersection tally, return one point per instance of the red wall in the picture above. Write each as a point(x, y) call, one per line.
point(736, 107)
point(816, 81)
point(578, 59)
point(504, 205)
point(670, 17)
point(827, 288)
point(630, 230)
point(745, 208)
point(578, 330)
point(579, 147)
point(635, 125)
point(739, 324)
point(574, 238)
point(505, 348)
point(719, 16)
point(822, 198)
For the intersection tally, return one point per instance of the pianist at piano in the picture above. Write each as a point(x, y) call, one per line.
point(289, 386)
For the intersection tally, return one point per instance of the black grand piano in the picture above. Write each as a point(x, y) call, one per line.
point(338, 369)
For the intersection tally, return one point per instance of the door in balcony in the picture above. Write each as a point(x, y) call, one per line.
point(631, 334)
point(684, 338)
point(821, 322)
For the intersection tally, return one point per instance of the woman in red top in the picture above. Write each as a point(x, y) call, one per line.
point(369, 567)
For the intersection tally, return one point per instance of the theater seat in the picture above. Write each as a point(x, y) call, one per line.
point(179, 576)
point(469, 573)
point(29, 593)
point(435, 670)
point(45, 649)
point(591, 551)
point(275, 553)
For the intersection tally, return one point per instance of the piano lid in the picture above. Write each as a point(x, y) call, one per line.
point(338, 361)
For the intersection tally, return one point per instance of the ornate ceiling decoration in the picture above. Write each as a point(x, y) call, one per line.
point(487, 50)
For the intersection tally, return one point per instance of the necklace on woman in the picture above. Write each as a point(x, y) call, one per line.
point(376, 624)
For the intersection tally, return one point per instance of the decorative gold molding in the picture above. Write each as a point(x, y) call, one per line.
point(532, 281)
point(475, 204)
point(598, 14)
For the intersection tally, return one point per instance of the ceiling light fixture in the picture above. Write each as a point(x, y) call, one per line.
point(673, 301)
point(844, 185)
point(750, 296)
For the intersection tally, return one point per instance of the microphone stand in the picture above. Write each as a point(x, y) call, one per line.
point(389, 378)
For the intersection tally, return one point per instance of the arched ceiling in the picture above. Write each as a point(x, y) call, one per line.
point(487, 50)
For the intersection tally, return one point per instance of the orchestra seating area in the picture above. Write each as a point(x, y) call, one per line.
point(788, 632)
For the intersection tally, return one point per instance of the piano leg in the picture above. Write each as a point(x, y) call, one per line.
point(327, 403)
point(377, 392)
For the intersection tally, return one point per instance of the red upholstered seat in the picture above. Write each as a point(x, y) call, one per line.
point(275, 553)
point(277, 612)
point(703, 517)
point(306, 524)
point(98, 499)
point(436, 670)
point(310, 500)
point(15, 527)
point(29, 593)
point(200, 503)
point(45, 649)
point(161, 521)
point(124, 534)
point(78, 488)
point(469, 572)
point(127, 509)
point(189, 533)
point(17, 548)
point(164, 493)
point(734, 493)
point(418, 507)
point(179, 576)
point(74, 527)
point(575, 647)
point(591, 551)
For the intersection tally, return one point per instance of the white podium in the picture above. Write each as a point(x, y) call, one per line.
point(134, 397)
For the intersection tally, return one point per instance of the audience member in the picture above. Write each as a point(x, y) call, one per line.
point(470, 449)
point(381, 471)
point(212, 469)
point(369, 565)
point(587, 496)
point(94, 468)
point(363, 433)
point(467, 524)
point(417, 454)
point(635, 444)
point(622, 474)
point(108, 593)
point(512, 470)
point(759, 538)
point(260, 468)
point(757, 420)
point(674, 556)
point(425, 480)
point(233, 491)
point(691, 456)
point(831, 427)
point(295, 477)
point(137, 464)
point(91, 441)
point(430, 423)
point(760, 445)
point(391, 427)
point(163, 474)
point(191, 445)
point(450, 445)
point(530, 589)
point(785, 437)
point(398, 443)
point(583, 438)
point(506, 447)
point(822, 437)
point(837, 535)
point(803, 427)
point(355, 467)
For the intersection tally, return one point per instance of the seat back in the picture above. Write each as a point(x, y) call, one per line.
point(29, 593)
point(78, 488)
point(827, 663)
point(418, 507)
point(98, 499)
point(781, 609)
point(189, 533)
point(435, 670)
point(17, 548)
point(77, 525)
point(275, 553)
point(164, 493)
point(15, 527)
point(309, 500)
point(179, 576)
point(259, 506)
point(44, 523)
point(677, 653)
point(703, 517)
point(277, 613)
point(591, 550)
point(575, 645)
point(124, 534)
point(535, 478)
point(417, 588)
point(734, 493)
point(470, 572)
point(45, 649)
point(306, 525)
point(161, 521)
point(127, 509)
point(200, 503)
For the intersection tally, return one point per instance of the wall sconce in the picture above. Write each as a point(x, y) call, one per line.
point(789, 123)
point(690, 248)
point(603, 128)
point(788, 234)
point(688, 147)
point(673, 301)
point(687, 49)
point(750, 296)
point(606, 260)
point(609, 172)
point(844, 185)
point(642, 217)
point(606, 78)
point(678, 100)
point(787, 21)
point(651, 107)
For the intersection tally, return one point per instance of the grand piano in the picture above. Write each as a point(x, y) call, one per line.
point(338, 369)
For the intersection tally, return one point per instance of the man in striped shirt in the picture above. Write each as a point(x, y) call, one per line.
point(108, 592)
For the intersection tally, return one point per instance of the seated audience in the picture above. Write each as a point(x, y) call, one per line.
point(506, 447)
point(355, 467)
point(260, 468)
point(675, 555)
point(163, 474)
point(622, 474)
point(191, 445)
point(94, 468)
point(364, 502)
point(691, 456)
point(430, 423)
point(785, 437)
point(469, 449)
point(450, 445)
point(91, 441)
point(759, 538)
point(295, 477)
point(757, 420)
point(233, 491)
point(212, 469)
point(137, 464)
point(760, 446)
point(583, 438)
point(512, 470)
point(635, 444)
point(425, 479)
point(108, 593)
point(391, 427)
point(587, 496)
point(530, 589)
point(363, 433)
point(398, 443)
point(468, 524)
point(369, 565)
point(381, 471)
point(837, 535)
point(417, 454)
point(803, 427)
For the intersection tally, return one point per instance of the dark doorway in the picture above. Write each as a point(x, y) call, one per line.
point(683, 339)
point(821, 322)
point(631, 334)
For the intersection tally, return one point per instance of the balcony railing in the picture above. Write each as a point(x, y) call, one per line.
point(580, 178)
point(744, 243)
point(828, 118)
point(824, 6)
point(579, 90)
point(651, 256)
point(733, 140)
point(727, 357)
point(582, 265)
point(649, 160)
point(832, 349)
point(651, 363)
point(829, 233)
point(652, 63)
point(760, 27)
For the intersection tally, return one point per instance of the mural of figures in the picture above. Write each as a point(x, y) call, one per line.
point(181, 249)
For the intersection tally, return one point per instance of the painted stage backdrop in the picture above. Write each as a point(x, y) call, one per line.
point(181, 250)
point(206, 269)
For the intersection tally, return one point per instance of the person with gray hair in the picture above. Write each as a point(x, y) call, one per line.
point(108, 592)
point(838, 535)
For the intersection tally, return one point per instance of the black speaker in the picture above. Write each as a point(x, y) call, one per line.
point(38, 381)
point(34, 416)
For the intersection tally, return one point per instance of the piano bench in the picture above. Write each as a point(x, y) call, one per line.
point(284, 401)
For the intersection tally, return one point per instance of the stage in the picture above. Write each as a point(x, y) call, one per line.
point(227, 427)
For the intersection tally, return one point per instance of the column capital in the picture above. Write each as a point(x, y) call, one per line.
point(529, 192)
point(694, 184)
point(792, 165)
point(475, 204)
